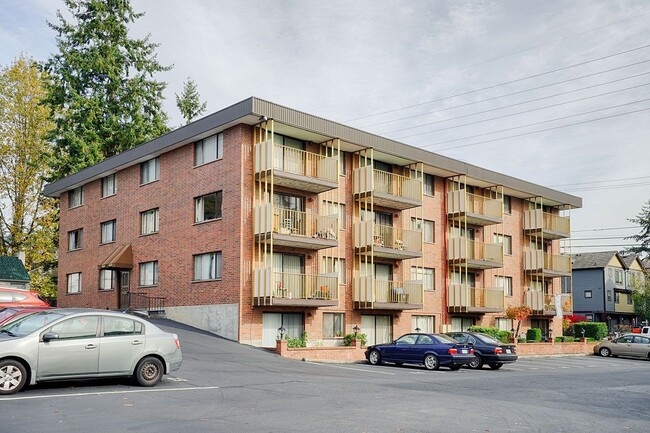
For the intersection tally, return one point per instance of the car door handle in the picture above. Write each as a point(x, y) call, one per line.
point(136, 342)
point(91, 346)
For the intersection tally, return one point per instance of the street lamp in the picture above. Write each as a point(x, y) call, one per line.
point(356, 330)
point(550, 334)
point(281, 330)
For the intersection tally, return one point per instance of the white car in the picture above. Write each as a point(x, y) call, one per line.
point(63, 343)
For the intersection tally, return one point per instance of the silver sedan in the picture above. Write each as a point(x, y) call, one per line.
point(81, 343)
point(628, 345)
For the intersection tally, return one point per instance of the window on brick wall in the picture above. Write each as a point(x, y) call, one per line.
point(423, 323)
point(108, 231)
point(109, 185)
point(207, 266)
point(426, 275)
point(428, 184)
point(505, 283)
point(507, 204)
point(149, 222)
point(333, 325)
point(427, 227)
point(74, 239)
point(76, 197)
point(74, 282)
point(149, 171)
point(148, 273)
point(209, 149)
point(207, 207)
point(106, 279)
point(506, 241)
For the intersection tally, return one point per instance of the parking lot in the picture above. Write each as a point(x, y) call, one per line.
point(224, 386)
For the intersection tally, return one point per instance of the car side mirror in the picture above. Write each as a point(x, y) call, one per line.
point(48, 336)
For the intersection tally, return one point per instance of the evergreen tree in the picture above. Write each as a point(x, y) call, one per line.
point(188, 102)
point(28, 219)
point(102, 84)
point(643, 220)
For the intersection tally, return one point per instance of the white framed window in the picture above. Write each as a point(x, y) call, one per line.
point(426, 275)
point(108, 231)
point(74, 282)
point(207, 266)
point(590, 317)
point(588, 294)
point(333, 325)
point(506, 241)
point(335, 209)
point(209, 149)
point(427, 227)
point(76, 197)
point(149, 273)
point(618, 276)
point(109, 185)
point(504, 324)
point(425, 324)
point(333, 265)
point(149, 171)
point(207, 207)
point(106, 279)
point(629, 299)
point(75, 238)
point(505, 283)
point(428, 184)
point(149, 222)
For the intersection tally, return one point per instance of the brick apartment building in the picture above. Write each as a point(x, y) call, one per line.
point(260, 217)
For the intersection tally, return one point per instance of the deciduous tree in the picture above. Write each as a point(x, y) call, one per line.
point(102, 82)
point(519, 314)
point(29, 220)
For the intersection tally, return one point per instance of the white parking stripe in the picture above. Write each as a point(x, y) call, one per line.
point(131, 391)
point(352, 368)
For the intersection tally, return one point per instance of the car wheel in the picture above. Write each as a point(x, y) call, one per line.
point(431, 362)
point(604, 351)
point(496, 366)
point(375, 357)
point(149, 371)
point(477, 363)
point(12, 377)
point(454, 367)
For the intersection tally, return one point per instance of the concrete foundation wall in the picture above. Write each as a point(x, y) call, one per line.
point(220, 319)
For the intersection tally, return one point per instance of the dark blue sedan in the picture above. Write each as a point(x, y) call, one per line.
point(487, 350)
point(430, 350)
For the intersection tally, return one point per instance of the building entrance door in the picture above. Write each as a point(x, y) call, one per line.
point(125, 278)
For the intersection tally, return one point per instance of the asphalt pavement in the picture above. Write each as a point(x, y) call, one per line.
point(223, 386)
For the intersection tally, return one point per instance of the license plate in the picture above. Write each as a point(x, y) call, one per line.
point(508, 351)
point(464, 351)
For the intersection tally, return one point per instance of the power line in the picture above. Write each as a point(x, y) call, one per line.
point(520, 92)
point(598, 238)
point(537, 123)
point(503, 83)
point(600, 181)
point(601, 188)
point(605, 229)
point(523, 112)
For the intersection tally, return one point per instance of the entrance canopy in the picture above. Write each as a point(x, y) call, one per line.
point(121, 258)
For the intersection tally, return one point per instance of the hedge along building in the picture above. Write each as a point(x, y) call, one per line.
point(260, 219)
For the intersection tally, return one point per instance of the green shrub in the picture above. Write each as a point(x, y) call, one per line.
point(534, 334)
point(568, 339)
point(503, 336)
point(559, 339)
point(521, 340)
point(347, 340)
point(595, 330)
point(297, 342)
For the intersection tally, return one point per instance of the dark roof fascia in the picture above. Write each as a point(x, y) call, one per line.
point(258, 108)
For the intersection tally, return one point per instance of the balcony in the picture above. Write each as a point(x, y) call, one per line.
point(294, 290)
point(547, 265)
point(291, 228)
point(544, 304)
point(387, 189)
point(462, 298)
point(623, 307)
point(370, 293)
point(474, 254)
point(546, 225)
point(387, 242)
point(295, 168)
point(474, 209)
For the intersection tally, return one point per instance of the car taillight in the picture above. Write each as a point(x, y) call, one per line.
point(471, 351)
point(177, 341)
point(453, 351)
point(498, 350)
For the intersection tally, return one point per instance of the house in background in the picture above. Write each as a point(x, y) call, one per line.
point(260, 221)
point(13, 273)
point(603, 283)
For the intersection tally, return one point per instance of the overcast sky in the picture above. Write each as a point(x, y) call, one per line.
point(553, 92)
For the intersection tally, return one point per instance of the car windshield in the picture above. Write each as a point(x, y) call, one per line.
point(30, 322)
point(6, 312)
point(445, 339)
point(487, 339)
